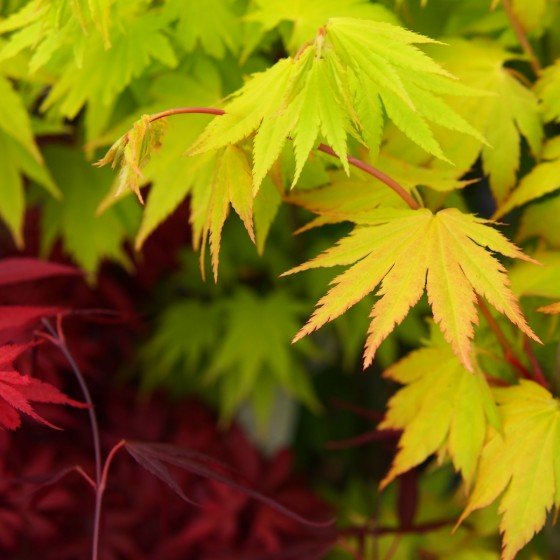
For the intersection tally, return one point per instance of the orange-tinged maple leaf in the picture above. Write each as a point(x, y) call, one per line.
point(402, 252)
point(552, 309)
point(521, 463)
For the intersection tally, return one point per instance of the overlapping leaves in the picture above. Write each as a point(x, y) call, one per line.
point(405, 251)
point(239, 346)
point(354, 73)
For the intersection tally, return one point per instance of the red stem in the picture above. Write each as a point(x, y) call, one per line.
point(358, 163)
point(537, 370)
point(187, 111)
point(378, 174)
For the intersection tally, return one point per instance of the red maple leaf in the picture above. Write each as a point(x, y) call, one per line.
point(22, 269)
point(18, 391)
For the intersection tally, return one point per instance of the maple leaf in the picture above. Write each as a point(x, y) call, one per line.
point(543, 179)
point(307, 16)
point(530, 12)
point(86, 237)
point(100, 74)
point(520, 463)
point(443, 408)
point(343, 197)
point(14, 119)
point(405, 251)
point(16, 317)
point(536, 221)
point(213, 25)
point(16, 164)
point(18, 391)
point(22, 269)
point(231, 185)
point(132, 151)
point(547, 89)
point(344, 83)
point(509, 111)
point(253, 358)
point(171, 175)
point(552, 309)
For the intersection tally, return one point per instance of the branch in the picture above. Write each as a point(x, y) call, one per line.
point(358, 163)
point(522, 37)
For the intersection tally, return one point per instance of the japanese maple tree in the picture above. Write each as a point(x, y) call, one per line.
point(203, 165)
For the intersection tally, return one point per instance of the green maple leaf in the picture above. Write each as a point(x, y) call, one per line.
point(254, 357)
point(214, 25)
point(103, 73)
point(88, 239)
point(306, 16)
point(342, 84)
point(15, 164)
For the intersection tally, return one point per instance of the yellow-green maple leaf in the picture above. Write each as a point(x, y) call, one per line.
point(443, 408)
point(531, 13)
point(521, 463)
point(343, 197)
point(544, 178)
point(132, 151)
point(509, 111)
point(231, 185)
point(547, 89)
point(344, 83)
point(405, 251)
point(307, 15)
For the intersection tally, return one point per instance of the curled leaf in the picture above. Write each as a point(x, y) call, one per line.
point(132, 152)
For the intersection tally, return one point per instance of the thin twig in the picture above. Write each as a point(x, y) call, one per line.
point(412, 530)
point(393, 548)
point(522, 37)
point(58, 340)
point(358, 163)
point(362, 439)
point(374, 415)
point(537, 370)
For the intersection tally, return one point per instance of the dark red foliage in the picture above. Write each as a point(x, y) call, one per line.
point(143, 519)
point(46, 507)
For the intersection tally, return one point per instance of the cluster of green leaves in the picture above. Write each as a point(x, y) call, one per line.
point(292, 84)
